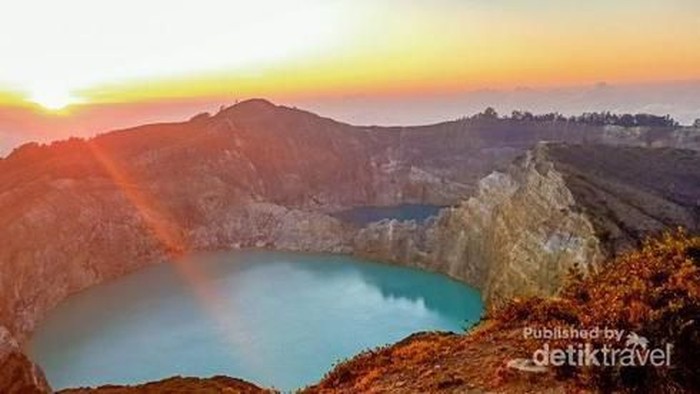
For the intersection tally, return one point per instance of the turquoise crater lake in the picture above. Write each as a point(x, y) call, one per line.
point(273, 318)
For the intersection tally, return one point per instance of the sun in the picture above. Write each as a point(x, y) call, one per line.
point(53, 101)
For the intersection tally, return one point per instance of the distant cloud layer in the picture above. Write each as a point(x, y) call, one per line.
point(681, 100)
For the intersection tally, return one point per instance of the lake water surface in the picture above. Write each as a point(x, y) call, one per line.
point(276, 319)
point(368, 214)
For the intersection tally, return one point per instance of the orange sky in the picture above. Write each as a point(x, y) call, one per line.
point(79, 52)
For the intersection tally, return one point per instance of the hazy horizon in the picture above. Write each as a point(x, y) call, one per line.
point(681, 100)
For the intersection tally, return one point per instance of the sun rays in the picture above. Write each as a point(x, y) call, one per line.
point(165, 229)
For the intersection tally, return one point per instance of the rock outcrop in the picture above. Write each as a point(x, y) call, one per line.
point(557, 208)
point(18, 374)
point(265, 225)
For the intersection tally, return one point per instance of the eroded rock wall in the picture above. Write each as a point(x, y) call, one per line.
point(557, 207)
point(537, 234)
point(519, 235)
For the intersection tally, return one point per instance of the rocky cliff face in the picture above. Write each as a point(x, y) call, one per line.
point(558, 207)
point(18, 374)
point(265, 225)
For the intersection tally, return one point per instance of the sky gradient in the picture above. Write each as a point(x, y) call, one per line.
point(84, 53)
point(87, 51)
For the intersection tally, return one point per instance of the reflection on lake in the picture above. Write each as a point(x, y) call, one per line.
point(277, 319)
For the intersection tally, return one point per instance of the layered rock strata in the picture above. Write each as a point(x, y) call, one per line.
point(558, 208)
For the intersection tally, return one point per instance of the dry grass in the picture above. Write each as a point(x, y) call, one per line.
point(654, 291)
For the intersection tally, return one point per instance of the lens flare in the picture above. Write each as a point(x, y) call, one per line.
point(171, 236)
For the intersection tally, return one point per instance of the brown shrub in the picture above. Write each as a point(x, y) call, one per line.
point(653, 291)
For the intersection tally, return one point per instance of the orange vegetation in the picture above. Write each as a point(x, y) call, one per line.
point(653, 291)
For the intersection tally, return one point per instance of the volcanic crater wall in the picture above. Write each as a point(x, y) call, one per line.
point(77, 213)
point(556, 208)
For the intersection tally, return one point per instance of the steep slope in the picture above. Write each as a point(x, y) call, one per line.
point(556, 208)
point(630, 192)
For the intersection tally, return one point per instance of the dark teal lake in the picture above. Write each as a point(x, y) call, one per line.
point(276, 319)
point(369, 214)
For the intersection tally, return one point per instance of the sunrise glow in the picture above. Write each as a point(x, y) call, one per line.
point(281, 48)
point(53, 100)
